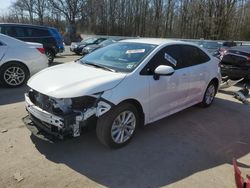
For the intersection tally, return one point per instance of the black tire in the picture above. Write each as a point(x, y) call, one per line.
point(205, 102)
point(10, 66)
point(50, 55)
point(105, 123)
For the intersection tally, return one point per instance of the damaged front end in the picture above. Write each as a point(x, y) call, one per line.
point(61, 117)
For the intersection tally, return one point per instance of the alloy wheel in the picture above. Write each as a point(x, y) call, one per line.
point(210, 93)
point(14, 76)
point(123, 127)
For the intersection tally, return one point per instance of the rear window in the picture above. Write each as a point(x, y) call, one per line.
point(55, 33)
point(24, 31)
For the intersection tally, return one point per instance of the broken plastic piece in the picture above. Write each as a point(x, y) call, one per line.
point(18, 176)
point(238, 95)
point(230, 83)
point(76, 129)
point(4, 130)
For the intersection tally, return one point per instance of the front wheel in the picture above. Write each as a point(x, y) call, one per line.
point(209, 95)
point(117, 127)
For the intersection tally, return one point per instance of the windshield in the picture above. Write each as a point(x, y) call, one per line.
point(88, 41)
point(120, 57)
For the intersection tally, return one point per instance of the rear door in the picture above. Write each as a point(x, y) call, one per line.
point(197, 62)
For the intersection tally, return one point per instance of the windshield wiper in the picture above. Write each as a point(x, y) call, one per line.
point(99, 66)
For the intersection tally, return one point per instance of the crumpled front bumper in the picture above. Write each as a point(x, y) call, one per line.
point(69, 124)
point(49, 123)
point(43, 115)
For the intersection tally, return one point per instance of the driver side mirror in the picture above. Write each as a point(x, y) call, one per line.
point(163, 70)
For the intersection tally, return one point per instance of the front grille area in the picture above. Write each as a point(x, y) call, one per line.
point(41, 100)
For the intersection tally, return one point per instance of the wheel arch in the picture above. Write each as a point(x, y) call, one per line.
point(15, 61)
point(138, 106)
point(216, 82)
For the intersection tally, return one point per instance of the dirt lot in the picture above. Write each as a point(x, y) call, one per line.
point(193, 148)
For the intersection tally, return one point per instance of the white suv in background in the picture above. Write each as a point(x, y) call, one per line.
point(19, 60)
point(124, 85)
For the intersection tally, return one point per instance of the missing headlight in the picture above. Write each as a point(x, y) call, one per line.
point(83, 103)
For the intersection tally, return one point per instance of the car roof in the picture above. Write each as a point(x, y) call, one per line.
point(28, 25)
point(154, 41)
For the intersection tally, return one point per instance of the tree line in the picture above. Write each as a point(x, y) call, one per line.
point(208, 19)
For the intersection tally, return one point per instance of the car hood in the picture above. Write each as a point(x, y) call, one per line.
point(74, 80)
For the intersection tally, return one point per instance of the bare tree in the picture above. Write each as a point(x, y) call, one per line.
point(71, 10)
point(209, 19)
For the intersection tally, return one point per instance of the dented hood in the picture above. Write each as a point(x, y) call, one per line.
point(73, 80)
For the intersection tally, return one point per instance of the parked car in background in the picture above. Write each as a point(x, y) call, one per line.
point(77, 47)
point(48, 36)
point(19, 60)
point(90, 48)
point(122, 86)
point(216, 48)
point(235, 62)
point(225, 45)
point(210, 46)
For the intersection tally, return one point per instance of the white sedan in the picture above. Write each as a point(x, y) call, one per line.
point(130, 83)
point(19, 60)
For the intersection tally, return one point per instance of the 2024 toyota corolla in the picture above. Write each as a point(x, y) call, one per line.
point(124, 85)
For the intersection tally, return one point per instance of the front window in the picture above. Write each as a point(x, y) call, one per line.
point(120, 57)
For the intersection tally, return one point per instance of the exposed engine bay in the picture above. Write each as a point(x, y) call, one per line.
point(64, 116)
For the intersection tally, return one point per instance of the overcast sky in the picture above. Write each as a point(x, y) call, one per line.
point(4, 4)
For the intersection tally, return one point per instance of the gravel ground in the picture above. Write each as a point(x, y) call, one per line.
point(193, 148)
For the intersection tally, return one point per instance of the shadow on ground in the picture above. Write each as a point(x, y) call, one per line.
point(12, 95)
point(165, 152)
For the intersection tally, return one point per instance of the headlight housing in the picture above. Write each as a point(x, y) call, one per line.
point(83, 103)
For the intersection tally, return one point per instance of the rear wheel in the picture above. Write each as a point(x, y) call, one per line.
point(13, 74)
point(117, 127)
point(209, 95)
point(50, 55)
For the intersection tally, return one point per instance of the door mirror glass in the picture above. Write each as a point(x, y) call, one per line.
point(164, 70)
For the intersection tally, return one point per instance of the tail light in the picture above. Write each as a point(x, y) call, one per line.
point(222, 49)
point(41, 50)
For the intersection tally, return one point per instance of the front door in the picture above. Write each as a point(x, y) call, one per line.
point(168, 94)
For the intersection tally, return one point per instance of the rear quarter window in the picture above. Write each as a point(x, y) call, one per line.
point(192, 55)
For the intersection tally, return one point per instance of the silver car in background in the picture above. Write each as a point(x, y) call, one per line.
point(19, 60)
